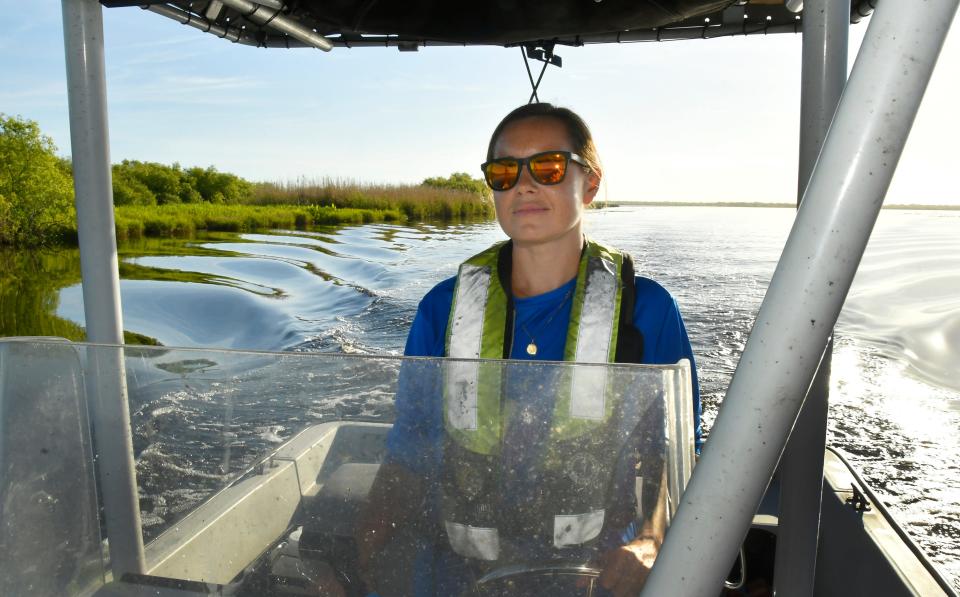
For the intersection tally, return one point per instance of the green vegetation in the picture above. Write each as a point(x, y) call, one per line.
point(160, 201)
point(136, 221)
point(151, 199)
point(298, 204)
point(447, 200)
point(36, 191)
point(149, 183)
point(460, 181)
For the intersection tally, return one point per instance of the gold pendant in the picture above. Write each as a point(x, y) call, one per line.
point(532, 349)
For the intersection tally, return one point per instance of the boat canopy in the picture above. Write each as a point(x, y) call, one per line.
point(411, 24)
point(850, 146)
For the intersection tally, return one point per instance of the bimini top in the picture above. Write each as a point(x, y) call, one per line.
point(410, 24)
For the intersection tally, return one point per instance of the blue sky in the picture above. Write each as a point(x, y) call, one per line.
point(709, 120)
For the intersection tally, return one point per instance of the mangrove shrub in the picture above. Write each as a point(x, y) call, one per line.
point(36, 189)
point(150, 183)
point(459, 181)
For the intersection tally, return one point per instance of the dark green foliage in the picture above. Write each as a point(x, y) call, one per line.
point(163, 182)
point(460, 181)
point(36, 191)
point(219, 187)
point(128, 189)
point(149, 183)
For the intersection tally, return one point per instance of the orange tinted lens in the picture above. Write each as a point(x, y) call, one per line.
point(502, 174)
point(548, 168)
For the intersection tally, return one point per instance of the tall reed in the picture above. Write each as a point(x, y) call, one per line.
point(415, 202)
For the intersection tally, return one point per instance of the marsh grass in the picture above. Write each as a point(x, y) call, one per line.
point(304, 204)
point(414, 202)
point(184, 220)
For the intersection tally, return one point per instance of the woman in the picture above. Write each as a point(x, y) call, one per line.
point(536, 297)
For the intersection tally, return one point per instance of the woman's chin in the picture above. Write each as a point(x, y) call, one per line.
point(529, 237)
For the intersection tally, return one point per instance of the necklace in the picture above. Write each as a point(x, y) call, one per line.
point(532, 346)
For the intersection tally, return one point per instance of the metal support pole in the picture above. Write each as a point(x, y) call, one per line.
point(805, 296)
point(823, 76)
point(257, 13)
point(185, 18)
point(89, 143)
point(824, 73)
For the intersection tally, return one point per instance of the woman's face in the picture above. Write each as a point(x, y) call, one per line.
point(531, 213)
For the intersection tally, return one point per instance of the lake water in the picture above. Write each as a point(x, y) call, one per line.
point(895, 402)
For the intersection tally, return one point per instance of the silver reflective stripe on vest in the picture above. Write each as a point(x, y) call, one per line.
point(594, 336)
point(576, 529)
point(474, 542)
point(466, 335)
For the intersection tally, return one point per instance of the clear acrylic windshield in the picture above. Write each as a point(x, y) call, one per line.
point(255, 467)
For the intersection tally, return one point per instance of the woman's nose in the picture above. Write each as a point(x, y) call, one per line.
point(526, 179)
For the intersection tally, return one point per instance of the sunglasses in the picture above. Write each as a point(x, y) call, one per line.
point(547, 168)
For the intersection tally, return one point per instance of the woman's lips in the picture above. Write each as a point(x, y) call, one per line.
point(529, 209)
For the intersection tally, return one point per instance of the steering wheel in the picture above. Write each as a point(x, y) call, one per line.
point(548, 578)
point(561, 578)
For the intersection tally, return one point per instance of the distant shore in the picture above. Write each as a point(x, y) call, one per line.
point(905, 206)
point(37, 205)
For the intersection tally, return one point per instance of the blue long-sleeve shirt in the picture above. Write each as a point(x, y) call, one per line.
point(419, 424)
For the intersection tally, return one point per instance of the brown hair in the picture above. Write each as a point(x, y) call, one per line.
point(577, 130)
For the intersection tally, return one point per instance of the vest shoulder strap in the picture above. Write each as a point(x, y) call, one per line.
point(629, 338)
point(505, 271)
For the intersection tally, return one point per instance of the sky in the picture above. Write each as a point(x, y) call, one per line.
point(713, 120)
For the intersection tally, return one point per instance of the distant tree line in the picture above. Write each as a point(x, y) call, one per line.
point(36, 194)
point(149, 183)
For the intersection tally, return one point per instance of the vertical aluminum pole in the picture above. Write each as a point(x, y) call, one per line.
point(824, 73)
point(805, 296)
point(89, 143)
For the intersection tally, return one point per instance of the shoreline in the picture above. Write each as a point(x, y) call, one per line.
point(899, 206)
point(182, 220)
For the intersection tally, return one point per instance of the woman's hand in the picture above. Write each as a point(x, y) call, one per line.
point(625, 568)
